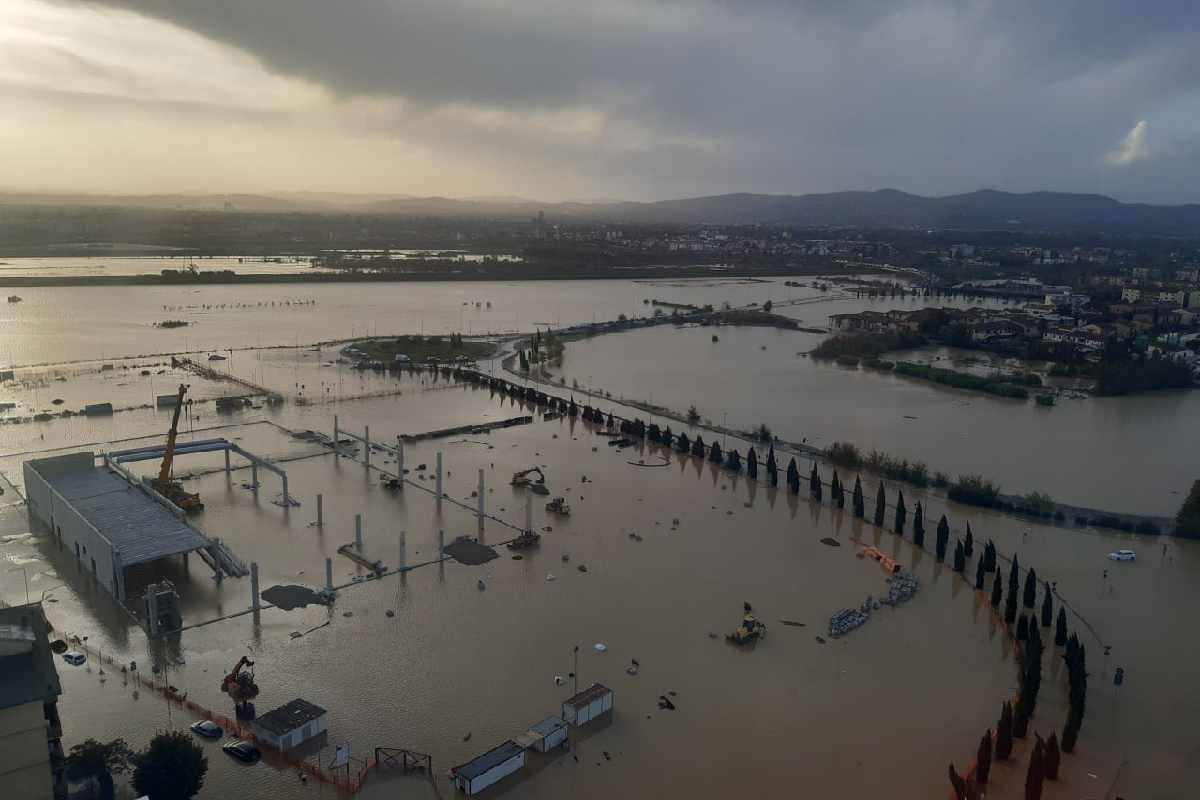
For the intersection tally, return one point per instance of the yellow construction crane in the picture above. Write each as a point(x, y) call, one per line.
point(164, 484)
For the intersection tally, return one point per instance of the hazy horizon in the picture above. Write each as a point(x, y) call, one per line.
point(554, 99)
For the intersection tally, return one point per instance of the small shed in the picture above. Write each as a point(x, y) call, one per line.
point(584, 707)
point(290, 724)
point(545, 735)
point(98, 410)
point(489, 768)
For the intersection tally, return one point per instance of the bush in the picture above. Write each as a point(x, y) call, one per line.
point(1039, 503)
point(866, 345)
point(1147, 528)
point(1187, 521)
point(962, 380)
point(975, 490)
point(844, 454)
point(941, 479)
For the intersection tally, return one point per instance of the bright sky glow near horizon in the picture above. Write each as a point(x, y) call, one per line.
point(631, 99)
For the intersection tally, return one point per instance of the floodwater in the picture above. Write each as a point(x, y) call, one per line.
point(879, 712)
point(73, 266)
point(1129, 454)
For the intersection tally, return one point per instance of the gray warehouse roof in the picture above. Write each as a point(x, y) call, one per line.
point(139, 528)
point(289, 716)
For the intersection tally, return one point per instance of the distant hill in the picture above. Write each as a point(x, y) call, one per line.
point(886, 208)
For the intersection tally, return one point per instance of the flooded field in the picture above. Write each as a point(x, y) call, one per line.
point(433, 662)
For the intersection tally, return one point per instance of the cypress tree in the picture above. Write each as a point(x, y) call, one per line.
point(752, 463)
point(698, 446)
point(1047, 606)
point(880, 505)
point(901, 513)
point(989, 556)
point(772, 467)
point(983, 758)
point(793, 477)
point(943, 538)
point(1004, 736)
point(814, 484)
point(1052, 757)
point(837, 495)
point(1035, 775)
point(524, 361)
point(1031, 667)
point(969, 542)
point(1022, 628)
point(1031, 588)
point(714, 453)
point(957, 783)
point(979, 575)
point(1010, 608)
point(611, 422)
point(652, 433)
point(1070, 732)
point(997, 582)
point(1060, 628)
point(683, 444)
point(1014, 576)
point(1020, 720)
point(960, 558)
point(667, 437)
point(734, 461)
point(919, 526)
point(859, 506)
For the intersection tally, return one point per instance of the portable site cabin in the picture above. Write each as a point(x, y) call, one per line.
point(291, 724)
point(584, 707)
point(98, 410)
point(545, 735)
point(489, 768)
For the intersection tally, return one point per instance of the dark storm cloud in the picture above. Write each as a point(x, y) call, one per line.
point(769, 95)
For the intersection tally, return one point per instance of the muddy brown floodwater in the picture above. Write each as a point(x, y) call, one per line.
point(430, 662)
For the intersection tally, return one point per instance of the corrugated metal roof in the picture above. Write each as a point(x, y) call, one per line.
point(492, 758)
point(548, 726)
point(139, 528)
point(289, 716)
point(593, 692)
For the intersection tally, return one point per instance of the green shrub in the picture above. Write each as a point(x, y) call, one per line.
point(975, 490)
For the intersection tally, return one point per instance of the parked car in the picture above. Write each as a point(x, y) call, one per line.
point(1122, 555)
point(207, 728)
point(74, 657)
point(241, 750)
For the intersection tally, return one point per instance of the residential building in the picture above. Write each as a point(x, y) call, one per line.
point(31, 755)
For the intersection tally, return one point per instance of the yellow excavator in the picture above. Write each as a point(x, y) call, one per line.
point(164, 484)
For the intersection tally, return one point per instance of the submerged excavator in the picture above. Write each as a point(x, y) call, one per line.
point(523, 478)
point(240, 686)
point(164, 484)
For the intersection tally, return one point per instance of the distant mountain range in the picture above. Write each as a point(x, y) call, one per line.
point(883, 209)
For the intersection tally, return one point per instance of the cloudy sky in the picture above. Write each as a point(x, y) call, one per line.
point(638, 99)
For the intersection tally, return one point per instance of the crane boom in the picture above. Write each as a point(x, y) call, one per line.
point(164, 473)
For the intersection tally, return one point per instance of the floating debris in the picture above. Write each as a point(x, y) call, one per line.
point(600, 647)
point(847, 620)
point(582, 568)
point(793, 623)
point(831, 542)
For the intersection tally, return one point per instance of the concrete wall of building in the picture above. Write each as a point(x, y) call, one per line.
point(71, 532)
point(24, 755)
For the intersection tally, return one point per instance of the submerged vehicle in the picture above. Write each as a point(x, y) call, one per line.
point(525, 540)
point(751, 629)
point(1123, 555)
point(206, 728)
point(242, 750)
point(559, 506)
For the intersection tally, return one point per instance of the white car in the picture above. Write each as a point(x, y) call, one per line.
point(207, 728)
point(74, 657)
point(1122, 555)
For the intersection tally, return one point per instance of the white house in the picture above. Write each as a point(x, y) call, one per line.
point(489, 768)
point(584, 707)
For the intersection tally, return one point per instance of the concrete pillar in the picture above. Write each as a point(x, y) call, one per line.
point(329, 574)
point(441, 543)
point(367, 445)
point(358, 532)
point(287, 503)
point(400, 460)
point(320, 511)
point(152, 610)
point(254, 476)
point(439, 478)
point(254, 585)
point(480, 499)
point(529, 511)
point(336, 434)
point(226, 460)
point(185, 562)
point(403, 552)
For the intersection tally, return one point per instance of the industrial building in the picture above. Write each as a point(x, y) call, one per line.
point(32, 762)
point(106, 521)
point(489, 768)
point(584, 707)
point(291, 724)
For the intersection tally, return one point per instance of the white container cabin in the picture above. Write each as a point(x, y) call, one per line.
point(545, 735)
point(489, 768)
point(291, 724)
point(584, 707)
